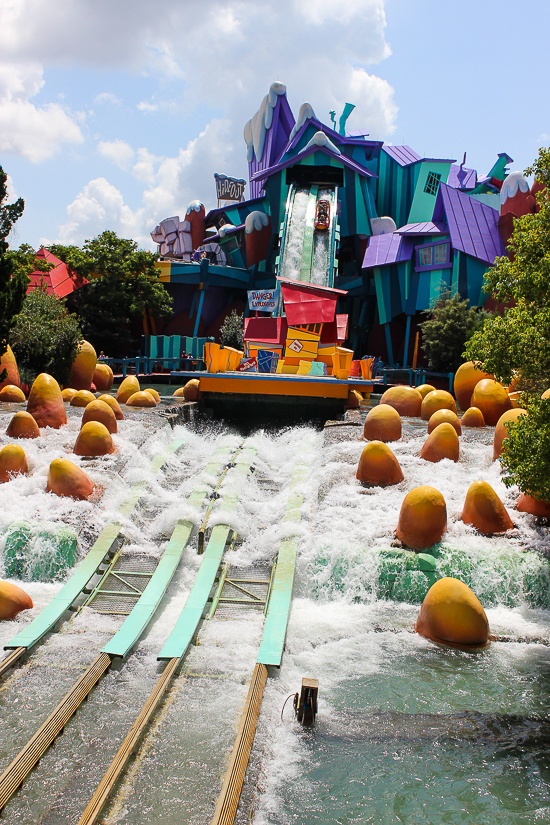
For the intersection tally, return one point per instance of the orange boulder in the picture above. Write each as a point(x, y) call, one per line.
point(23, 425)
point(452, 614)
point(129, 386)
point(45, 402)
point(354, 400)
point(378, 465)
point(492, 399)
point(94, 439)
point(436, 400)
point(466, 377)
point(100, 411)
point(13, 462)
point(68, 393)
point(8, 362)
point(12, 600)
point(103, 377)
point(441, 443)
point(383, 423)
point(178, 393)
point(66, 479)
point(82, 373)
point(501, 432)
point(422, 519)
point(114, 405)
point(141, 399)
point(424, 389)
point(529, 504)
point(546, 394)
point(191, 390)
point(82, 398)
point(154, 393)
point(484, 509)
point(12, 394)
point(472, 418)
point(444, 417)
point(406, 400)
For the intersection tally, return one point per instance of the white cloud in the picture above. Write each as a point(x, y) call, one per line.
point(117, 151)
point(107, 97)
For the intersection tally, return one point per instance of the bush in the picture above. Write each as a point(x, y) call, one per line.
point(231, 331)
point(449, 326)
point(526, 456)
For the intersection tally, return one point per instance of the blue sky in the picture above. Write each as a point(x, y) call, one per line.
point(116, 115)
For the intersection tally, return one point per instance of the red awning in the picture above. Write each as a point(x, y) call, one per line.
point(308, 303)
point(59, 281)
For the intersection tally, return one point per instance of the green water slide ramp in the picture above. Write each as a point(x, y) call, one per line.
point(103, 545)
point(144, 610)
point(186, 626)
point(276, 622)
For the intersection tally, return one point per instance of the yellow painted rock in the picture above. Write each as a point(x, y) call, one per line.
point(383, 423)
point(82, 398)
point(114, 405)
point(546, 394)
point(13, 462)
point(23, 425)
point(82, 373)
point(452, 614)
point(444, 417)
point(436, 400)
point(378, 465)
point(129, 386)
point(45, 402)
point(141, 399)
point(422, 519)
point(354, 400)
point(501, 432)
point(406, 400)
point(8, 362)
point(441, 443)
point(154, 393)
point(12, 394)
point(529, 504)
point(472, 418)
point(424, 389)
point(484, 509)
point(100, 411)
point(178, 393)
point(66, 479)
point(492, 399)
point(466, 377)
point(94, 439)
point(68, 393)
point(13, 600)
point(191, 390)
point(103, 377)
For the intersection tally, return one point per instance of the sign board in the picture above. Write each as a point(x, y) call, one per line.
point(296, 346)
point(248, 365)
point(229, 189)
point(265, 300)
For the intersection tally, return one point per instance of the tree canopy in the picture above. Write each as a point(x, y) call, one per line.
point(449, 325)
point(13, 283)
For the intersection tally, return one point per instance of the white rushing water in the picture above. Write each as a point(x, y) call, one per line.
point(321, 263)
point(291, 259)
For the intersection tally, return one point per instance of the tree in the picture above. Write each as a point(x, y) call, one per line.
point(231, 331)
point(526, 456)
point(13, 284)
point(45, 337)
point(449, 325)
point(124, 283)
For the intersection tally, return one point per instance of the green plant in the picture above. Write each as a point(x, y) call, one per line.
point(13, 284)
point(231, 331)
point(449, 325)
point(526, 456)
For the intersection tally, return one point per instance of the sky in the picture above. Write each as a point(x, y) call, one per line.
point(115, 115)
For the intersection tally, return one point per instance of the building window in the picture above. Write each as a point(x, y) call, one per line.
point(433, 256)
point(432, 183)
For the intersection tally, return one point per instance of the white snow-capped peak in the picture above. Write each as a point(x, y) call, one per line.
point(320, 139)
point(255, 221)
point(256, 128)
point(194, 206)
point(306, 113)
point(514, 182)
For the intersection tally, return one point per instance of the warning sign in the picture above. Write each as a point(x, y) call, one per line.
point(296, 346)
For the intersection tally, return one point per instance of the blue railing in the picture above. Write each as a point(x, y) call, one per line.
point(416, 377)
point(148, 366)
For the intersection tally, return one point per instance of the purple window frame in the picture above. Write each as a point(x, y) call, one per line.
point(447, 265)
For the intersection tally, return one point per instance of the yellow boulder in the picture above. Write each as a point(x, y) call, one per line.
point(100, 411)
point(546, 394)
point(354, 400)
point(12, 600)
point(436, 400)
point(103, 377)
point(94, 439)
point(129, 386)
point(441, 443)
point(66, 479)
point(383, 423)
point(178, 393)
point(23, 425)
point(82, 398)
point(424, 389)
point(484, 510)
point(13, 462)
point(82, 373)
point(45, 402)
point(154, 393)
point(466, 377)
point(191, 390)
point(141, 399)
point(378, 465)
point(406, 400)
point(492, 399)
point(114, 405)
point(444, 417)
point(8, 362)
point(422, 518)
point(501, 432)
point(534, 506)
point(452, 614)
point(12, 394)
point(472, 418)
point(68, 393)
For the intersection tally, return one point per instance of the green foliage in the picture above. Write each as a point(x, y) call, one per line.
point(519, 341)
point(45, 337)
point(13, 284)
point(232, 330)
point(448, 327)
point(124, 283)
point(526, 456)
point(25, 261)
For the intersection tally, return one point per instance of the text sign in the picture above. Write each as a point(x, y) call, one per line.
point(229, 189)
point(265, 299)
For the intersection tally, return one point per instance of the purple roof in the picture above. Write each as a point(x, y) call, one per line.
point(389, 248)
point(426, 228)
point(351, 164)
point(462, 178)
point(343, 140)
point(403, 155)
point(473, 225)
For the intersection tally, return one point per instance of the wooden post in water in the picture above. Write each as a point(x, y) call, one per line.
point(415, 356)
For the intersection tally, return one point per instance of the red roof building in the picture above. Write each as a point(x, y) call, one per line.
point(59, 281)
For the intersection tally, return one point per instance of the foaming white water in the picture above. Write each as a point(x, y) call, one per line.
point(292, 254)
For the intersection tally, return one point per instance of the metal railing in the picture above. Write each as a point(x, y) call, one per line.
point(147, 366)
point(416, 377)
